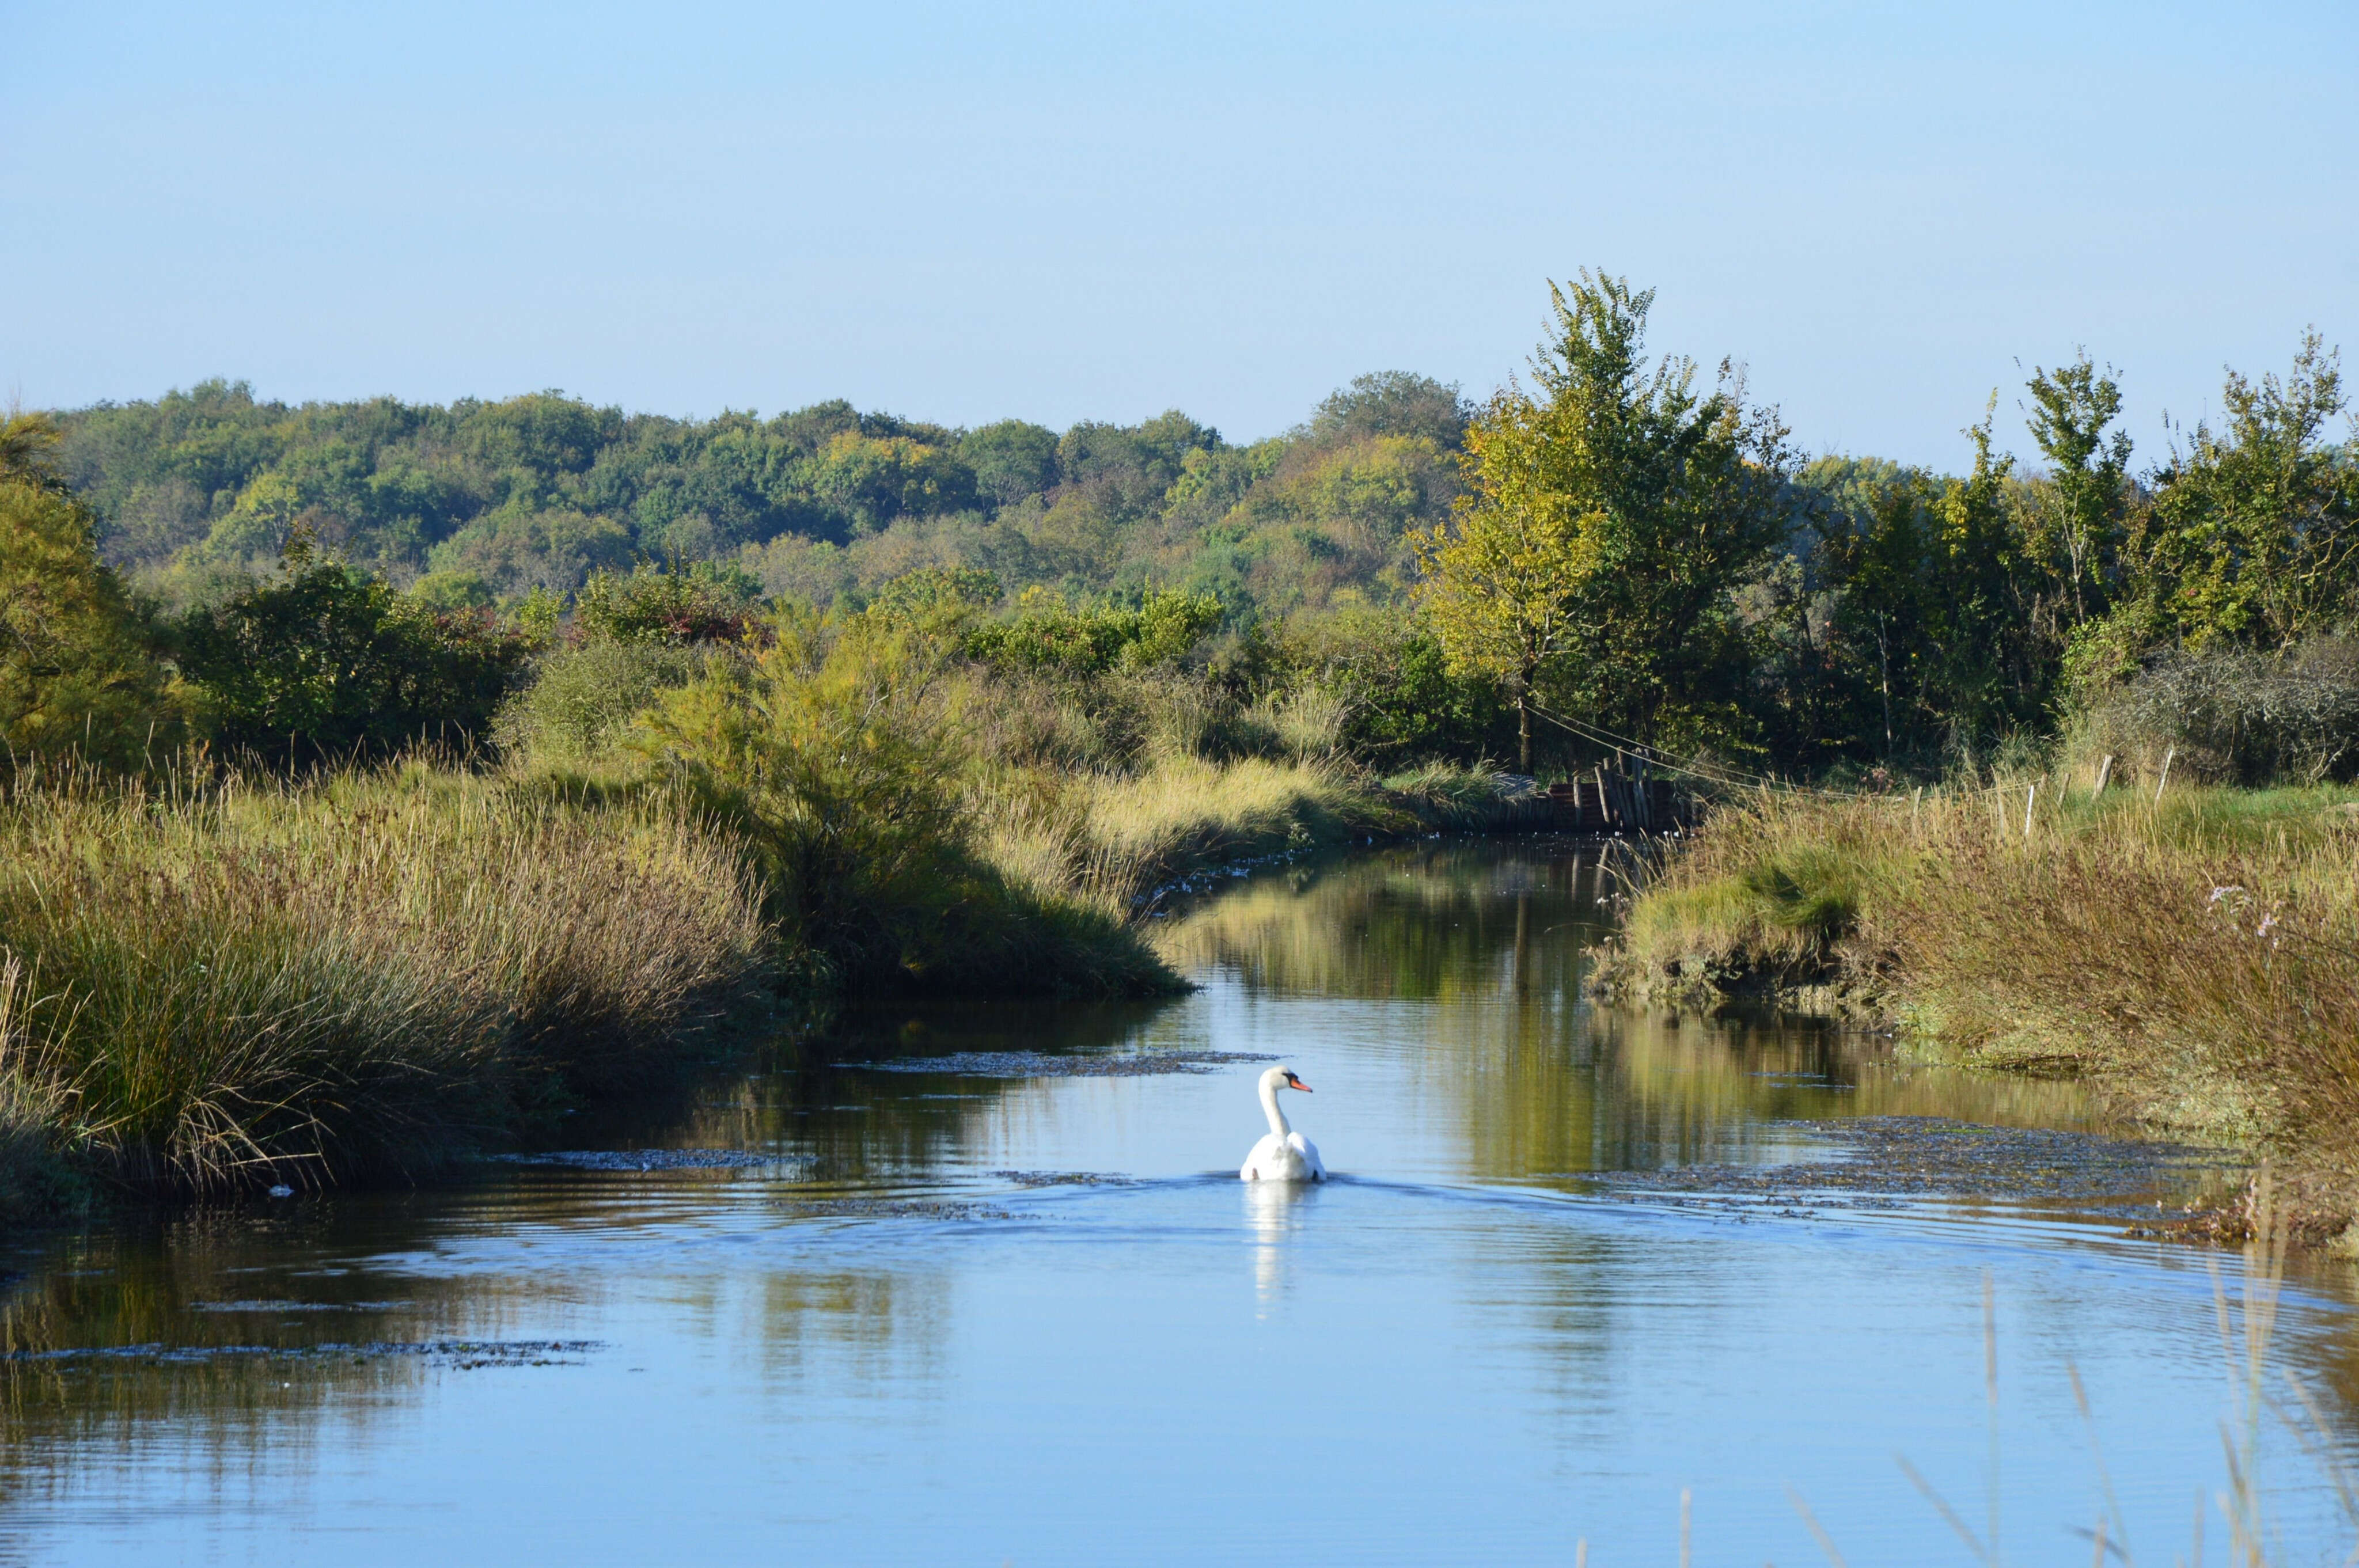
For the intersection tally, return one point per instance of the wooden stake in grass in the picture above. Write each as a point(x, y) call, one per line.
point(2104, 772)
point(2165, 779)
point(2029, 795)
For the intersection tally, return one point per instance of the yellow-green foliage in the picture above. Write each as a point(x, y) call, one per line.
point(837, 755)
point(75, 674)
point(2201, 953)
point(260, 982)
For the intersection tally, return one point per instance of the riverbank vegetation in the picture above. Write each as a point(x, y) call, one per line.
point(253, 982)
point(956, 703)
point(2196, 953)
point(316, 879)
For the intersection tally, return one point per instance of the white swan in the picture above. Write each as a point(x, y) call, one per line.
point(1284, 1155)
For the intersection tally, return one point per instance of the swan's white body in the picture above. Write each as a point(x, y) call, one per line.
point(1283, 1154)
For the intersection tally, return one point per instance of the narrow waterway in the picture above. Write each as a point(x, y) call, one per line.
point(979, 1285)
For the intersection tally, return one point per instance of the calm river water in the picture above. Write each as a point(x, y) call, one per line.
point(1017, 1308)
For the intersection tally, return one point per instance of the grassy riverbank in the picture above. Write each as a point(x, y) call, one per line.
point(249, 981)
point(252, 983)
point(2199, 957)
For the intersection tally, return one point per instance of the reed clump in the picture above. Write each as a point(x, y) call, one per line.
point(2199, 953)
point(254, 982)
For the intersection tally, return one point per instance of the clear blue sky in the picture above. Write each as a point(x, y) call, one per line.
point(1100, 211)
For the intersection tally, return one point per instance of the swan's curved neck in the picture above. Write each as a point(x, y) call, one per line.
point(1277, 1123)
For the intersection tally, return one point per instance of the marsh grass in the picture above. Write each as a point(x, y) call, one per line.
point(1113, 838)
point(1449, 795)
point(2200, 953)
point(255, 982)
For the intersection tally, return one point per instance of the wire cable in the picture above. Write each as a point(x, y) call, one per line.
point(1727, 778)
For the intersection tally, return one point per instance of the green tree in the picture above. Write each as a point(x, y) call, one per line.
point(1011, 460)
point(1611, 515)
point(1932, 627)
point(1392, 403)
point(328, 661)
point(1502, 580)
point(2252, 536)
point(78, 673)
point(873, 479)
point(2081, 527)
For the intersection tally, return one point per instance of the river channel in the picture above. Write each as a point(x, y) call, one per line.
point(979, 1285)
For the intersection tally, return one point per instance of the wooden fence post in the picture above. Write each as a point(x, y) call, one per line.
point(2167, 757)
point(2105, 772)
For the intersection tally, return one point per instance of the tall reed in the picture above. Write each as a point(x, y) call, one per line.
point(255, 982)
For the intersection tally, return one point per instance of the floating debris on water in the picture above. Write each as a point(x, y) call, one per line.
point(297, 1307)
point(1065, 1179)
point(1933, 1156)
point(653, 1160)
point(897, 1208)
point(1042, 1065)
point(466, 1355)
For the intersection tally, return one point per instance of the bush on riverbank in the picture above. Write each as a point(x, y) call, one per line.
point(835, 756)
point(2230, 716)
point(929, 820)
point(2201, 955)
point(254, 982)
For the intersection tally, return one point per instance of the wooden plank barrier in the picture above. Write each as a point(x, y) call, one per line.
point(1606, 800)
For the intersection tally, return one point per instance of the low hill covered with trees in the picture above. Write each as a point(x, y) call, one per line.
point(478, 502)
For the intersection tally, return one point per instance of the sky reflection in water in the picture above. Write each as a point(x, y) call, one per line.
point(974, 1319)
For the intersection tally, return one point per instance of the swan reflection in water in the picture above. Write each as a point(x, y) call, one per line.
point(1274, 1208)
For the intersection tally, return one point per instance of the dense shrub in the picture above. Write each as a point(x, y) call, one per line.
point(704, 603)
point(1048, 633)
point(2234, 717)
point(834, 753)
point(578, 700)
point(326, 662)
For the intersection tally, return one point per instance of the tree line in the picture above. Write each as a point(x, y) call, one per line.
point(1652, 555)
point(1616, 538)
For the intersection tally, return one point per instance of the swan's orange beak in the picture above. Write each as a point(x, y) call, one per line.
point(1297, 1084)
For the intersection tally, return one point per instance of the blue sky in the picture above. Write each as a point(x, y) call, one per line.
point(1099, 212)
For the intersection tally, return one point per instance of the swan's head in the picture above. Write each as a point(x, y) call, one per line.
point(1283, 1078)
